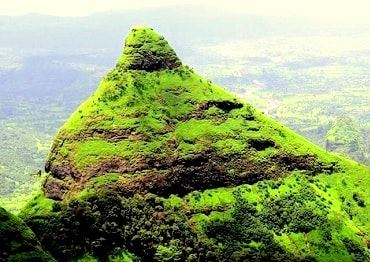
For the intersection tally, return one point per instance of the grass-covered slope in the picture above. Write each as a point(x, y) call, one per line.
point(160, 164)
point(18, 242)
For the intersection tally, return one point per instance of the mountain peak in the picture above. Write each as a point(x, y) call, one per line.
point(147, 50)
point(149, 129)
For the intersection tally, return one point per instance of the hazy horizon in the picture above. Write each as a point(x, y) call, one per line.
point(329, 11)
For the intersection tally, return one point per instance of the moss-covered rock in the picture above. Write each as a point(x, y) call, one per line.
point(146, 50)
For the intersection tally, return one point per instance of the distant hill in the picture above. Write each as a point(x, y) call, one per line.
point(346, 138)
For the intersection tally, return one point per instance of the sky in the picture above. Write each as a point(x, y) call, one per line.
point(327, 10)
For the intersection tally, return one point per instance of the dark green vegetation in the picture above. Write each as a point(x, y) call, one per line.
point(161, 164)
point(18, 242)
point(345, 137)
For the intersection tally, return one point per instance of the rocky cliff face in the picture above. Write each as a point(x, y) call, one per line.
point(146, 50)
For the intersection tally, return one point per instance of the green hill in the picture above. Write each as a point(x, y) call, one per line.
point(161, 164)
point(18, 242)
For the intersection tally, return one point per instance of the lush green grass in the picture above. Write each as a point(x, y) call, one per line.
point(39, 205)
point(92, 151)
